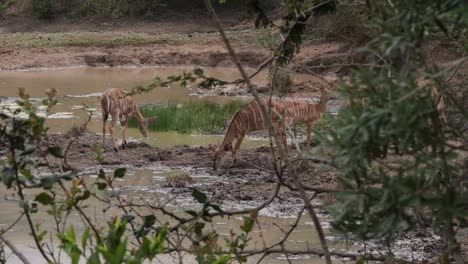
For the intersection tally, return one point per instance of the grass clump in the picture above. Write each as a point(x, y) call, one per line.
point(195, 116)
point(178, 179)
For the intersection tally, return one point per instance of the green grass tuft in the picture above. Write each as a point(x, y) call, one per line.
point(193, 117)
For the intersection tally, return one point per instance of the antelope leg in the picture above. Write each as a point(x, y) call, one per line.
point(236, 148)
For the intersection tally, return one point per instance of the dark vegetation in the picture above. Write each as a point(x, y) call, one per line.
point(111, 9)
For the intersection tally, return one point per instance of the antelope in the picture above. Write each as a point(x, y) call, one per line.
point(248, 119)
point(440, 105)
point(296, 111)
point(116, 103)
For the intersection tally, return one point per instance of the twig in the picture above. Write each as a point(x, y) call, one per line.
point(3, 231)
point(252, 88)
point(313, 215)
point(26, 208)
point(15, 251)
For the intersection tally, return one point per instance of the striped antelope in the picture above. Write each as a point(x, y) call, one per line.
point(296, 111)
point(248, 119)
point(116, 103)
point(438, 100)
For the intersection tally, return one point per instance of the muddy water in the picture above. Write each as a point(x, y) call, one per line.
point(78, 86)
point(148, 185)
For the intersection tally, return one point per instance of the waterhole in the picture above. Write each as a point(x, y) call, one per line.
point(83, 86)
point(79, 86)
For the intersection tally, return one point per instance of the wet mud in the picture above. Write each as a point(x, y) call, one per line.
point(250, 182)
point(247, 184)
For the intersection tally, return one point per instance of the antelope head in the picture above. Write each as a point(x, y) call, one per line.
point(219, 156)
point(144, 127)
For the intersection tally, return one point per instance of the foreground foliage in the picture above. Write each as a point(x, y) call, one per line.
point(400, 167)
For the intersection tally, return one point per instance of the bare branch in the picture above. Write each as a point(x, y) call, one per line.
point(15, 251)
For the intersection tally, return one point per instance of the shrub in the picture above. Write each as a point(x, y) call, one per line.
point(280, 79)
point(43, 8)
point(347, 23)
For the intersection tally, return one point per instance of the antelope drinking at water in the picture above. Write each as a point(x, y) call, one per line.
point(248, 119)
point(116, 103)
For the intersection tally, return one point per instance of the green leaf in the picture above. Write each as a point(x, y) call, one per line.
point(199, 196)
point(26, 173)
point(44, 198)
point(41, 235)
point(102, 174)
point(55, 151)
point(85, 196)
point(101, 185)
point(222, 260)
point(217, 208)
point(120, 172)
point(198, 72)
point(84, 238)
point(149, 220)
point(192, 213)
point(248, 224)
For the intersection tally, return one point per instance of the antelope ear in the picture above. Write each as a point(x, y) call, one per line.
point(152, 119)
point(213, 147)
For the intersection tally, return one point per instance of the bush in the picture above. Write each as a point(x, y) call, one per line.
point(347, 23)
point(43, 8)
point(280, 79)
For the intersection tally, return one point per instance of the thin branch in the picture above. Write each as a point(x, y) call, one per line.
point(251, 87)
point(313, 215)
point(26, 207)
point(3, 231)
point(15, 251)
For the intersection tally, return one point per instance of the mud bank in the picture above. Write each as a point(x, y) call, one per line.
point(152, 55)
point(245, 185)
point(251, 180)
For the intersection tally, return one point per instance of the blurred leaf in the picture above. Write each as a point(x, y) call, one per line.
point(102, 174)
point(149, 220)
point(44, 198)
point(199, 196)
point(47, 182)
point(120, 172)
point(101, 185)
point(248, 224)
point(192, 213)
point(55, 151)
point(127, 218)
point(84, 238)
point(8, 176)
